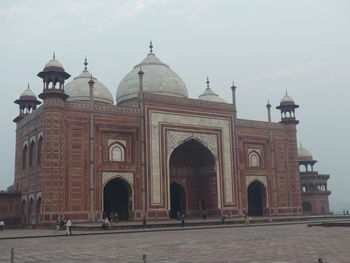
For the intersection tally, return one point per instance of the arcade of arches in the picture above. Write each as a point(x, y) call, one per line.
point(193, 186)
point(31, 211)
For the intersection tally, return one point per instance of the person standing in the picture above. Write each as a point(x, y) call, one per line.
point(182, 219)
point(144, 221)
point(68, 227)
point(246, 219)
point(222, 217)
point(57, 224)
point(2, 225)
point(33, 223)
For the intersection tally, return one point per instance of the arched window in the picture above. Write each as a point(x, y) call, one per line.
point(116, 153)
point(40, 148)
point(254, 159)
point(31, 154)
point(304, 189)
point(24, 157)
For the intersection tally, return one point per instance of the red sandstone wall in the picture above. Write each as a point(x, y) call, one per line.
point(10, 208)
point(278, 149)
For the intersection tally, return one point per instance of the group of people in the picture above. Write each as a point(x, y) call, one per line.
point(68, 224)
point(113, 217)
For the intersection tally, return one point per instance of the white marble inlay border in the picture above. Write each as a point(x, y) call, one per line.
point(107, 176)
point(155, 118)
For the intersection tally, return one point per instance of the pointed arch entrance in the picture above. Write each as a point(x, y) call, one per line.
point(117, 198)
point(194, 166)
point(307, 208)
point(256, 199)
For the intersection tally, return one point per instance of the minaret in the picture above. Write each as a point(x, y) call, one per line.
point(233, 88)
point(91, 150)
point(143, 171)
point(268, 107)
point(53, 76)
point(27, 103)
point(287, 107)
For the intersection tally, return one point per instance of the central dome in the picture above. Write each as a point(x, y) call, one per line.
point(158, 79)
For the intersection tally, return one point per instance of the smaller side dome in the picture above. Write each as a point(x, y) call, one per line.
point(287, 100)
point(209, 95)
point(304, 155)
point(53, 65)
point(78, 89)
point(28, 94)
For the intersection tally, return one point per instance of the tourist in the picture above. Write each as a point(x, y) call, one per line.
point(68, 227)
point(144, 221)
point(182, 219)
point(246, 219)
point(57, 224)
point(222, 217)
point(178, 215)
point(105, 224)
point(33, 223)
point(116, 217)
point(204, 215)
point(2, 225)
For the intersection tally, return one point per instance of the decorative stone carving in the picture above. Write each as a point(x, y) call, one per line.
point(176, 138)
point(122, 142)
point(107, 176)
point(261, 178)
point(258, 124)
point(25, 143)
point(32, 139)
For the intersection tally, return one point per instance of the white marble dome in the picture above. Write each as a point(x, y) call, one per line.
point(287, 100)
point(304, 154)
point(78, 89)
point(209, 95)
point(28, 93)
point(158, 78)
point(53, 63)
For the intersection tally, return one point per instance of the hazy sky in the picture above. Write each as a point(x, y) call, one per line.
point(266, 47)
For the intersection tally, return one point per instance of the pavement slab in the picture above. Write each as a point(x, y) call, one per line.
point(272, 244)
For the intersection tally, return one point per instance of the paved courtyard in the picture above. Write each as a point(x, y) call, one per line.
point(282, 243)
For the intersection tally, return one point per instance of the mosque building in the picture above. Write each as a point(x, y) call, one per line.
point(153, 151)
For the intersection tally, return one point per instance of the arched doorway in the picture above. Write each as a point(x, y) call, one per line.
point(193, 165)
point(38, 210)
point(116, 198)
point(30, 211)
point(307, 208)
point(256, 199)
point(177, 200)
point(23, 212)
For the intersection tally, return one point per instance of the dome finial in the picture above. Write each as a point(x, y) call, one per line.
point(28, 86)
point(150, 47)
point(85, 64)
point(54, 56)
point(207, 82)
point(286, 92)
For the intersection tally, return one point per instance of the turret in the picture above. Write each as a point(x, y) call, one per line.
point(53, 76)
point(27, 104)
point(287, 107)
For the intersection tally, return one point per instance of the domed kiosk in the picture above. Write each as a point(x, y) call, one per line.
point(78, 89)
point(209, 95)
point(158, 79)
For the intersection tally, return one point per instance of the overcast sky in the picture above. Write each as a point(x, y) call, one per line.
point(266, 47)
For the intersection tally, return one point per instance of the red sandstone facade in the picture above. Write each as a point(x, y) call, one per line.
point(156, 156)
